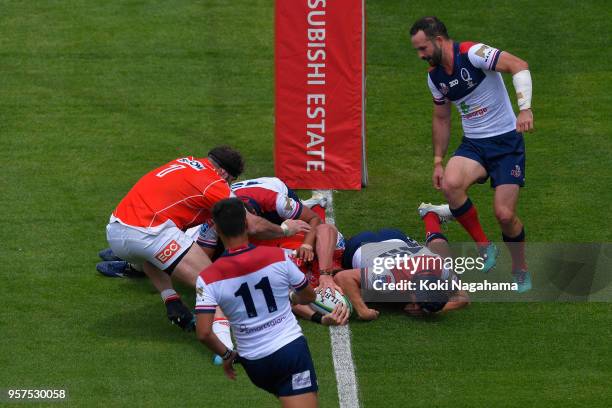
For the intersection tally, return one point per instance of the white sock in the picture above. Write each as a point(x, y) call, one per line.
point(221, 328)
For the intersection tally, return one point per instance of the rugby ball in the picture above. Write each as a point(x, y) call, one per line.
point(325, 302)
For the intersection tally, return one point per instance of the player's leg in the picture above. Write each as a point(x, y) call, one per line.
point(308, 400)
point(460, 173)
point(350, 281)
point(190, 266)
point(433, 216)
point(513, 232)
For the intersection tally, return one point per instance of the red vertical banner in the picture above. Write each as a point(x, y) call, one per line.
point(319, 93)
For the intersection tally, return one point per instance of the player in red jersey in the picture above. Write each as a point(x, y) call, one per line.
point(148, 226)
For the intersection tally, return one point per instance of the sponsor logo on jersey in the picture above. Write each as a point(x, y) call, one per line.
point(465, 108)
point(168, 252)
point(453, 82)
point(516, 172)
point(476, 112)
point(248, 330)
point(484, 52)
point(443, 88)
point(195, 164)
point(465, 75)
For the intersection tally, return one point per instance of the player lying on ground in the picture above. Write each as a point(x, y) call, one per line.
point(148, 226)
point(252, 286)
point(469, 75)
point(436, 245)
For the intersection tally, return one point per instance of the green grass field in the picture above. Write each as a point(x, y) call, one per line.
point(94, 94)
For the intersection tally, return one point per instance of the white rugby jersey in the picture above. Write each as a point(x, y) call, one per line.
point(251, 285)
point(270, 198)
point(476, 89)
point(392, 248)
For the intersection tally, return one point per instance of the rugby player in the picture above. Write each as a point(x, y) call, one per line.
point(148, 226)
point(252, 286)
point(270, 198)
point(468, 74)
point(423, 302)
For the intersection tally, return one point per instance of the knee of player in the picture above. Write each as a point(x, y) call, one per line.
point(451, 184)
point(504, 215)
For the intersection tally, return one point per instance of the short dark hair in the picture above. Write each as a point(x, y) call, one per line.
point(431, 301)
point(431, 26)
point(230, 217)
point(228, 159)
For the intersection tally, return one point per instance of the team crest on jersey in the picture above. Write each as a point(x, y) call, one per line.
point(465, 75)
point(443, 88)
point(516, 172)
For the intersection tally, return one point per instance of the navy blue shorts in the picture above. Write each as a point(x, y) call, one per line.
point(503, 157)
point(365, 237)
point(288, 371)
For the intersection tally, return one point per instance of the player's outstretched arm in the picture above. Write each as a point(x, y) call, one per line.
point(261, 228)
point(350, 281)
point(306, 250)
point(303, 296)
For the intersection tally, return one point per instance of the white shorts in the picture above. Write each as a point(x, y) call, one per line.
point(136, 246)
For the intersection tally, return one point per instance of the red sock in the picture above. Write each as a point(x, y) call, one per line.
point(468, 217)
point(432, 223)
point(516, 247)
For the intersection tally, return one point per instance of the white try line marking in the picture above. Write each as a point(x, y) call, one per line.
point(348, 392)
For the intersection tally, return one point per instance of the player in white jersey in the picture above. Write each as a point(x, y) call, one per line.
point(468, 75)
point(396, 242)
point(252, 285)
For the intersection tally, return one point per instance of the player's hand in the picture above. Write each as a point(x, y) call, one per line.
point(339, 316)
point(524, 121)
point(305, 252)
point(228, 365)
point(438, 174)
point(368, 314)
point(328, 282)
point(180, 315)
point(295, 226)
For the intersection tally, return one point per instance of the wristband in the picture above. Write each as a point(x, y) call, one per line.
point(317, 318)
point(227, 354)
point(307, 246)
point(285, 229)
point(326, 272)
